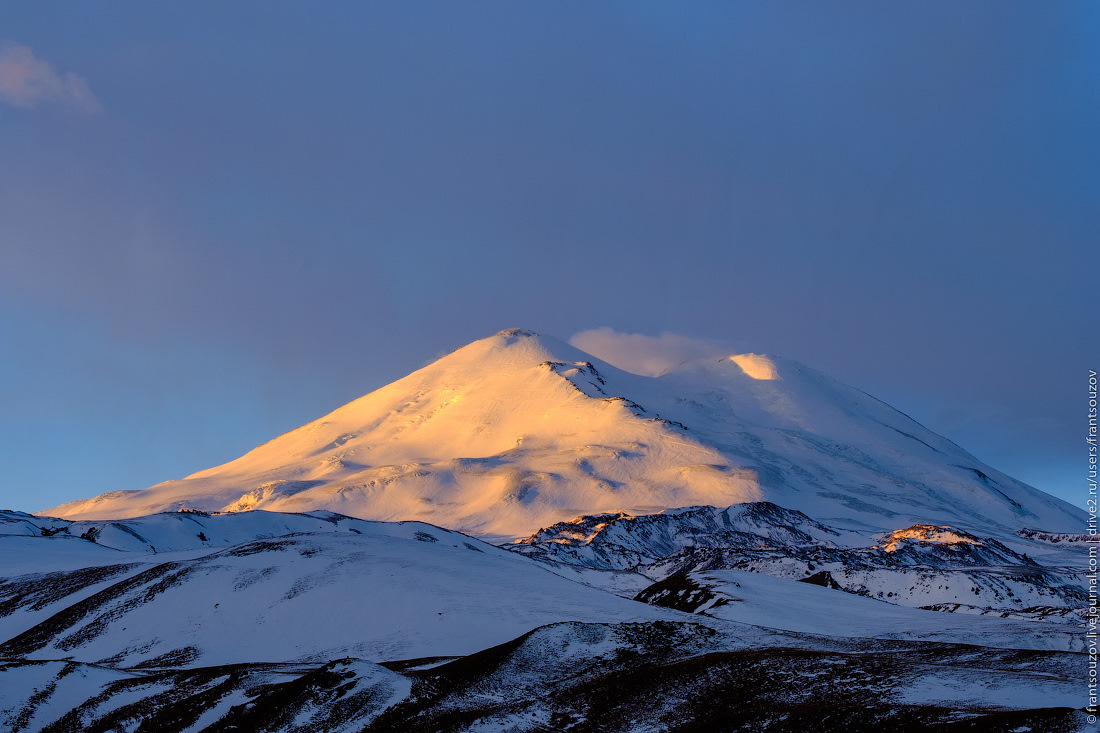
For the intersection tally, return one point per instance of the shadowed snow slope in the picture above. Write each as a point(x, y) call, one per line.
point(231, 592)
point(518, 431)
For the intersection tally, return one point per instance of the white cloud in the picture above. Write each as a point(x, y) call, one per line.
point(641, 354)
point(26, 81)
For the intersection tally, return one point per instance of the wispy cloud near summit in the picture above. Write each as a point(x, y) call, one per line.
point(642, 354)
point(26, 81)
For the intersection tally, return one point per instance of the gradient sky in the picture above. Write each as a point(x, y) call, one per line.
point(221, 220)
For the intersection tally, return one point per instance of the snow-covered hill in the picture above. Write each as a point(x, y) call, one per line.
point(601, 677)
point(519, 431)
point(319, 622)
point(266, 587)
point(925, 566)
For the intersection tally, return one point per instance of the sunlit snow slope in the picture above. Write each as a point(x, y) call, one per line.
point(518, 431)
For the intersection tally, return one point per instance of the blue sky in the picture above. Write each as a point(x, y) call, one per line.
point(221, 220)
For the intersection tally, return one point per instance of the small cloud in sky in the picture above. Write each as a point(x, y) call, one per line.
point(26, 81)
point(646, 355)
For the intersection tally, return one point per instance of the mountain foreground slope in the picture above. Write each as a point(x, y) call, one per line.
point(318, 622)
point(517, 431)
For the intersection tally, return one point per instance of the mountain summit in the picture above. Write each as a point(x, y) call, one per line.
point(518, 431)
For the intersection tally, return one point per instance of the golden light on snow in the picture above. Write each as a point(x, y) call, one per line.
point(926, 533)
point(756, 366)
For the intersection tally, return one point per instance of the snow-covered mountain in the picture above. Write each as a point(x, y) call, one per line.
point(518, 431)
point(522, 537)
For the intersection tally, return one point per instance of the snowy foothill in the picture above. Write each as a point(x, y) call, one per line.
point(240, 609)
point(330, 588)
